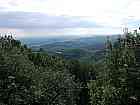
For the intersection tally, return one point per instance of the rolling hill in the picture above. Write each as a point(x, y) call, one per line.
point(83, 49)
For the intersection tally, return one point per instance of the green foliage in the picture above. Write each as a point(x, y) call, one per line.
point(28, 78)
point(15, 72)
point(115, 85)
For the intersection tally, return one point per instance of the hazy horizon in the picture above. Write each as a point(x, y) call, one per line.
point(45, 18)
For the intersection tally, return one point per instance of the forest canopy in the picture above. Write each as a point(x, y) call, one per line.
point(28, 78)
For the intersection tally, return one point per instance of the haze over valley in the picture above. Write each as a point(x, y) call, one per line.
point(69, 52)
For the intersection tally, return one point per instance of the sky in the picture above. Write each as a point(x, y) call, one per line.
point(45, 18)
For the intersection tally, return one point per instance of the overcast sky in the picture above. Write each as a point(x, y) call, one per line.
point(27, 18)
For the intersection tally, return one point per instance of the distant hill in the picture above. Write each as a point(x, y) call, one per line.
point(84, 48)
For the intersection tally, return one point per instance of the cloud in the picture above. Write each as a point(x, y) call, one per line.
point(68, 16)
point(32, 20)
point(34, 24)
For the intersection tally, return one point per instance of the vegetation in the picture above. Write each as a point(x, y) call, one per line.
point(118, 82)
point(33, 78)
point(87, 49)
point(28, 78)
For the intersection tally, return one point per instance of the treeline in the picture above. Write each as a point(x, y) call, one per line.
point(36, 78)
point(119, 81)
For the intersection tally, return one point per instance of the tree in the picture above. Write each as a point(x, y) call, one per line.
point(112, 85)
point(29, 78)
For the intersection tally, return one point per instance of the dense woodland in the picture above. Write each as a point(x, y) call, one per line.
point(36, 78)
